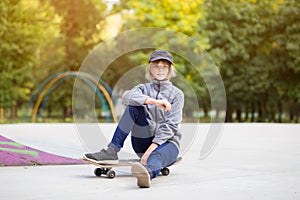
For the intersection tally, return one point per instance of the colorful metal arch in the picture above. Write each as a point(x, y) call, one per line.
point(52, 80)
point(92, 85)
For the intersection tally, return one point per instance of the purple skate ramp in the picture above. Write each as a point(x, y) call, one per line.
point(15, 154)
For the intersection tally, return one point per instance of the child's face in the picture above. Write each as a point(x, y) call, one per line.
point(160, 70)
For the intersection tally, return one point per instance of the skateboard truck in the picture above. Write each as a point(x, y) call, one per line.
point(106, 169)
point(110, 173)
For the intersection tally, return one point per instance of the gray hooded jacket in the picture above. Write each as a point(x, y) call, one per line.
point(165, 126)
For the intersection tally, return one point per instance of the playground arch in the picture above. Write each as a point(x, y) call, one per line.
point(103, 91)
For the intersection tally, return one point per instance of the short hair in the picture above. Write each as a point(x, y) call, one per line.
point(172, 71)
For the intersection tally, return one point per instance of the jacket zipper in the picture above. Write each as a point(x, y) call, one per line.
point(158, 90)
point(156, 109)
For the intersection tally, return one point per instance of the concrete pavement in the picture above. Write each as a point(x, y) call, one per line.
point(251, 161)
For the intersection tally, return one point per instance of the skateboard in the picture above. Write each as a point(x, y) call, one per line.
point(107, 169)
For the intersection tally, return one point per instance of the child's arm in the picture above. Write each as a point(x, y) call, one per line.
point(135, 97)
point(161, 103)
point(148, 152)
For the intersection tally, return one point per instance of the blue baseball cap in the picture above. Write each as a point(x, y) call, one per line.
point(161, 55)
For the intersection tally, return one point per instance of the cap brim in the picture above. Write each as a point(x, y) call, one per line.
point(161, 58)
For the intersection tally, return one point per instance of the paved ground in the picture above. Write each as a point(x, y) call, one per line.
point(251, 161)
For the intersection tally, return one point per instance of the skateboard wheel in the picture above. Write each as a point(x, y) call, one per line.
point(111, 174)
point(98, 172)
point(165, 171)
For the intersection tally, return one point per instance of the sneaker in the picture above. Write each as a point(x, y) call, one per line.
point(141, 174)
point(107, 156)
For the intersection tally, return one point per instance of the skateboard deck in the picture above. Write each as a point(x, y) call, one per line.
point(107, 169)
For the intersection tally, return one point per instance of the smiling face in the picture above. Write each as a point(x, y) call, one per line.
point(160, 70)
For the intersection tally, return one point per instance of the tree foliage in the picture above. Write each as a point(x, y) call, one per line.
point(255, 46)
point(56, 38)
point(254, 43)
point(21, 34)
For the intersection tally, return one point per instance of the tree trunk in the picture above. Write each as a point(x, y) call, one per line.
point(13, 113)
point(205, 112)
point(297, 115)
point(260, 113)
point(228, 117)
point(246, 114)
point(291, 115)
point(271, 114)
point(266, 113)
point(252, 112)
point(2, 114)
point(239, 115)
point(67, 112)
point(279, 112)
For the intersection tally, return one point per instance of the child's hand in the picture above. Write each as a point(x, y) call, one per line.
point(164, 104)
point(160, 103)
point(144, 159)
point(146, 155)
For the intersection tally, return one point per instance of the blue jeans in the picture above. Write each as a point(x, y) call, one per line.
point(134, 120)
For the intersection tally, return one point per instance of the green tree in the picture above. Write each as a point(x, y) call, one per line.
point(21, 33)
point(81, 21)
point(178, 16)
point(286, 56)
point(80, 25)
point(246, 38)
